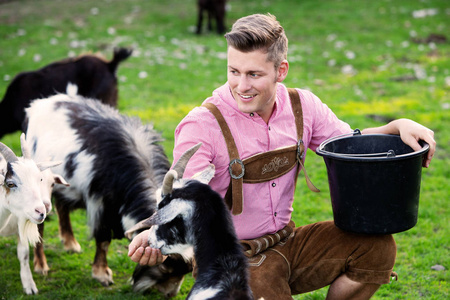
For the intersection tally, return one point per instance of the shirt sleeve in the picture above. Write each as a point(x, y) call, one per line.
point(190, 131)
point(320, 122)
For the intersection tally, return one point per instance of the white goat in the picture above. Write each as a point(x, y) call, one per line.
point(191, 216)
point(21, 204)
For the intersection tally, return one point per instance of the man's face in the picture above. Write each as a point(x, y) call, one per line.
point(253, 81)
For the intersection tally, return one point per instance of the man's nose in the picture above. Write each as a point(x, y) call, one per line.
point(244, 83)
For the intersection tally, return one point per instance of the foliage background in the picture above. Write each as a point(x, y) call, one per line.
point(365, 59)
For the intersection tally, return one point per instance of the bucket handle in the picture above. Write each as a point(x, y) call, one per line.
point(390, 153)
point(355, 132)
point(332, 139)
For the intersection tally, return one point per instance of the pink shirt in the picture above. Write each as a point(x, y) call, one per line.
point(267, 205)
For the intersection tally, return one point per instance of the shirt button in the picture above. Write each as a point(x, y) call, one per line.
point(252, 114)
point(275, 214)
point(274, 184)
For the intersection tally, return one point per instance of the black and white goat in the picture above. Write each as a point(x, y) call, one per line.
point(93, 76)
point(22, 205)
point(114, 165)
point(191, 217)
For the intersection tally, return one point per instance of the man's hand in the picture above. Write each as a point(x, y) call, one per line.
point(140, 251)
point(410, 133)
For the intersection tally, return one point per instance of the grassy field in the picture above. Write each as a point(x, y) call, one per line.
point(366, 59)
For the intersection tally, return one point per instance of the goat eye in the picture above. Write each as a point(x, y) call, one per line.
point(10, 184)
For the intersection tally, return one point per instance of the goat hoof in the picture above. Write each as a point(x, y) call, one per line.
point(72, 246)
point(30, 290)
point(103, 275)
point(41, 271)
point(41, 267)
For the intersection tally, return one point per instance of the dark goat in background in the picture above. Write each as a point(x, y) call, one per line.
point(93, 76)
point(215, 9)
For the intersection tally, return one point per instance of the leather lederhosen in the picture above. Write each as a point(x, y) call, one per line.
point(264, 166)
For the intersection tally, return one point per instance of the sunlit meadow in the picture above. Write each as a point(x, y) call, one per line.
point(370, 61)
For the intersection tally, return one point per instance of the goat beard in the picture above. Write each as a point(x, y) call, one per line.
point(28, 232)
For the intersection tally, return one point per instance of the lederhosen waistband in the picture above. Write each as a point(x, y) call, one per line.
point(263, 166)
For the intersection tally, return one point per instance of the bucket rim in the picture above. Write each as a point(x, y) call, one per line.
point(366, 158)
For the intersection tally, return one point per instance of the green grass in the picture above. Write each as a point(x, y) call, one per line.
point(182, 70)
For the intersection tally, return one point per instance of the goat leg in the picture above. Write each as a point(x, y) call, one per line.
point(23, 254)
point(65, 229)
point(200, 20)
point(40, 260)
point(100, 269)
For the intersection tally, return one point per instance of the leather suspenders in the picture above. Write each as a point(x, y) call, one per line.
point(264, 166)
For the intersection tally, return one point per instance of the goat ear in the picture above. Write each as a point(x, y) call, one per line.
point(167, 213)
point(140, 225)
point(161, 216)
point(26, 153)
point(48, 164)
point(60, 180)
point(206, 175)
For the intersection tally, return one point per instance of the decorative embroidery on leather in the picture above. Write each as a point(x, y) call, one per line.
point(258, 249)
point(257, 260)
point(275, 164)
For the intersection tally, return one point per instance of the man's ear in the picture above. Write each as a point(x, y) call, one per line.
point(282, 71)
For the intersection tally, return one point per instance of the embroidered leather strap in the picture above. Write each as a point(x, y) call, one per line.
point(298, 114)
point(236, 166)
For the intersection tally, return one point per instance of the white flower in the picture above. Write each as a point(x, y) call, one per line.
point(339, 44)
point(350, 54)
point(111, 31)
point(447, 81)
point(94, 11)
point(221, 55)
point(331, 37)
point(74, 44)
point(422, 13)
point(348, 70)
point(142, 74)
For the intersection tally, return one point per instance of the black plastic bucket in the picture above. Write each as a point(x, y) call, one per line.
point(374, 182)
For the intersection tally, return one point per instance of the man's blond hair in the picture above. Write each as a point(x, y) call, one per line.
point(259, 32)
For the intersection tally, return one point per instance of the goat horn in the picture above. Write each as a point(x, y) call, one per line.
point(7, 153)
point(26, 153)
point(177, 170)
point(48, 164)
point(184, 159)
point(167, 185)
